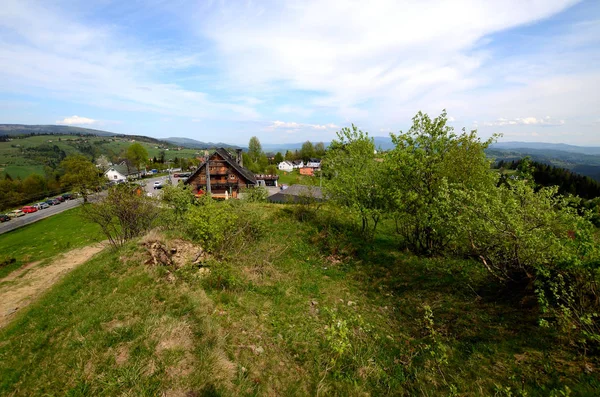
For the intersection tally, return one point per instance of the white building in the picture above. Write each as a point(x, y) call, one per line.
point(120, 173)
point(286, 166)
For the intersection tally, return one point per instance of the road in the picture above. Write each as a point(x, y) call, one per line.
point(27, 219)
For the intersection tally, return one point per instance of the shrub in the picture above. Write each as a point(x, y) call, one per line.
point(123, 214)
point(223, 227)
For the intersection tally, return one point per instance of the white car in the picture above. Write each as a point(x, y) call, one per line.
point(15, 213)
point(158, 185)
point(41, 206)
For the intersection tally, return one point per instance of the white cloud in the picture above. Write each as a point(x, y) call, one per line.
point(76, 120)
point(85, 63)
point(359, 51)
point(543, 121)
point(293, 126)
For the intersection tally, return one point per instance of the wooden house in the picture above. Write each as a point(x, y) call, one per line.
point(227, 175)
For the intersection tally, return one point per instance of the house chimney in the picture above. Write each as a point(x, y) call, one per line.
point(239, 157)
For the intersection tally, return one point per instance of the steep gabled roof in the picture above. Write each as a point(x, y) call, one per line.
point(244, 172)
point(122, 169)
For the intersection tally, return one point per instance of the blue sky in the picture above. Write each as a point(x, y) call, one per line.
point(287, 71)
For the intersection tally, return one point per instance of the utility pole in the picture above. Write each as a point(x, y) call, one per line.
point(207, 174)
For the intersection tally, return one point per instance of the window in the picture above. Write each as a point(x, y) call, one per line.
point(115, 177)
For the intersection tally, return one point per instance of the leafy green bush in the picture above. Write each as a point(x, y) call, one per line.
point(256, 194)
point(223, 227)
point(519, 233)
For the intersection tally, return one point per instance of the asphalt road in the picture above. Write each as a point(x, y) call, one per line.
point(27, 219)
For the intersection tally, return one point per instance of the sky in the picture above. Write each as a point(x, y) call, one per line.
point(291, 71)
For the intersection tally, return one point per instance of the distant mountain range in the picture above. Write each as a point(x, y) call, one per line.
point(22, 129)
point(194, 144)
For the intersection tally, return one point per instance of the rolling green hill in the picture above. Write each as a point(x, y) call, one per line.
point(23, 155)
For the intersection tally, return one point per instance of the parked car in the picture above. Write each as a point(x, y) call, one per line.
point(29, 209)
point(52, 202)
point(16, 213)
point(59, 198)
point(4, 218)
point(68, 196)
point(41, 206)
point(158, 185)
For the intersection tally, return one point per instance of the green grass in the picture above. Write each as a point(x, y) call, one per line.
point(304, 311)
point(294, 178)
point(14, 161)
point(46, 238)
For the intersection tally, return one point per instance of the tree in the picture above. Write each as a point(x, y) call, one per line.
point(354, 178)
point(123, 214)
point(307, 151)
point(254, 149)
point(289, 156)
point(278, 158)
point(137, 155)
point(320, 149)
point(102, 162)
point(425, 169)
point(80, 174)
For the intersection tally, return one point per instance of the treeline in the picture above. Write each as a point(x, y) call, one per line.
point(437, 189)
point(568, 182)
point(17, 192)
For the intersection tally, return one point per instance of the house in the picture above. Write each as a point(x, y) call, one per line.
point(298, 164)
point(266, 180)
point(297, 194)
point(314, 163)
point(286, 166)
point(121, 172)
point(227, 175)
point(307, 171)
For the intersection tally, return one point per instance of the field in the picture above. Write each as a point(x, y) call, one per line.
point(45, 239)
point(300, 312)
point(23, 156)
point(294, 178)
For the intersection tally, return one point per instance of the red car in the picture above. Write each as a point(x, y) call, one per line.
point(28, 209)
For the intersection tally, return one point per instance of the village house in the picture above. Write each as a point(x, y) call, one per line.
point(307, 171)
point(298, 164)
point(285, 166)
point(314, 163)
point(227, 175)
point(297, 194)
point(266, 180)
point(121, 173)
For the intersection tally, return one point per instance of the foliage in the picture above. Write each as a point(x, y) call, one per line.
point(257, 194)
point(123, 214)
point(429, 164)
point(254, 149)
point(81, 175)
point(278, 158)
point(179, 199)
point(307, 151)
point(223, 227)
point(354, 178)
point(138, 155)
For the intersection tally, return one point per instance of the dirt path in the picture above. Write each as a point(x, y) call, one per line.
point(27, 283)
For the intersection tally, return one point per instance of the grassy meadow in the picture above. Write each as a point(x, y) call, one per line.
point(302, 311)
point(46, 238)
point(21, 156)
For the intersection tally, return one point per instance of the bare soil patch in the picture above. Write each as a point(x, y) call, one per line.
point(30, 281)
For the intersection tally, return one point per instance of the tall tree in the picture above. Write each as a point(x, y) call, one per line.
point(80, 174)
point(137, 155)
point(354, 178)
point(428, 165)
point(278, 158)
point(320, 149)
point(307, 150)
point(289, 155)
point(254, 149)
